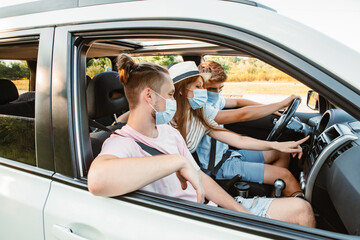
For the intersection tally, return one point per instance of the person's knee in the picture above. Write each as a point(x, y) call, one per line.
point(285, 174)
point(284, 156)
point(303, 212)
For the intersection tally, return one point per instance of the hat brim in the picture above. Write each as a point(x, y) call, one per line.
point(204, 76)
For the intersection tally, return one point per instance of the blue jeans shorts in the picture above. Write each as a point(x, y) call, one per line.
point(249, 164)
point(257, 205)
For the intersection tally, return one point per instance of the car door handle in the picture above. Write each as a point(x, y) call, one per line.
point(65, 233)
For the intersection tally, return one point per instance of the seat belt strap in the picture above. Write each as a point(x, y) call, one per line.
point(212, 157)
point(152, 151)
point(196, 158)
point(223, 159)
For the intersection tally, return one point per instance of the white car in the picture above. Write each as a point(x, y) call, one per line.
point(47, 145)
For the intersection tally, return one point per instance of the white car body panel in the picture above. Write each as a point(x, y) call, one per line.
point(108, 218)
point(22, 199)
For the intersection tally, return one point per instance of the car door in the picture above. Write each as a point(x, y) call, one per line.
point(26, 163)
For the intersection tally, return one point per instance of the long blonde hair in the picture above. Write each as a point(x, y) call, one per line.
point(182, 114)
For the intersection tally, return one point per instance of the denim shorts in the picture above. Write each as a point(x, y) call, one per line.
point(249, 164)
point(257, 205)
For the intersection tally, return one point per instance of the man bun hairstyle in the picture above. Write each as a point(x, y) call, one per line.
point(138, 76)
point(217, 71)
point(125, 65)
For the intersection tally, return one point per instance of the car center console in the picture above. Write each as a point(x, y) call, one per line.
point(327, 147)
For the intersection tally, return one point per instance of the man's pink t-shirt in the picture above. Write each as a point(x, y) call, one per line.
point(168, 141)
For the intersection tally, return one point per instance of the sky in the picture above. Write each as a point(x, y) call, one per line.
point(339, 19)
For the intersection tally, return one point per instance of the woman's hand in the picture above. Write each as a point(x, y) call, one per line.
point(292, 147)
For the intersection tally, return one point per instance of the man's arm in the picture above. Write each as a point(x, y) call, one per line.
point(113, 176)
point(239, 102)
point(251, 112)
point(216, 194)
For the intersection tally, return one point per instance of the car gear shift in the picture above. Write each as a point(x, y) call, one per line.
point(279, 185)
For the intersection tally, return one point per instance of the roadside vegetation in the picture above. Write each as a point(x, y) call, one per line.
point(239, 69)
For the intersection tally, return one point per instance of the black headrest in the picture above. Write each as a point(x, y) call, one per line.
point(106, 95)
point(8, 91)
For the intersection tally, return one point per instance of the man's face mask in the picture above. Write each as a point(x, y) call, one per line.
point(167, 115)
point(199, 99)
point(213, 97)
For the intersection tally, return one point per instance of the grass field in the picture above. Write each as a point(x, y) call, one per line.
point(21, 84)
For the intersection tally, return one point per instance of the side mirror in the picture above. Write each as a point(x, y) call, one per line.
point(312, 100)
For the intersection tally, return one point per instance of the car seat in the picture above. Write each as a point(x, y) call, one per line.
point(12, 104)
point(105, 96)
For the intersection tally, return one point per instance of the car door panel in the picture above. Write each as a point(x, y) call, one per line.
point(22, 198)
point(73, 213)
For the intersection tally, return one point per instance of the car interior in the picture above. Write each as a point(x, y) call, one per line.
point(324, 171)
point(11, 102)
point(17, 106)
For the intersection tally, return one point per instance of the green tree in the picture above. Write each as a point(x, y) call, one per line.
point(161, 60)
point(14, 70)
point(96, 65)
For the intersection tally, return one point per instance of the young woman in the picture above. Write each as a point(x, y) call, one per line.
point(190, 120)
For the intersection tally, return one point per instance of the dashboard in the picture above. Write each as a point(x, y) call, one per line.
point(332, 169)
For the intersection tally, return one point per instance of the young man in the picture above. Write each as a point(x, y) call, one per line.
point(123, 166)
point(276, 163)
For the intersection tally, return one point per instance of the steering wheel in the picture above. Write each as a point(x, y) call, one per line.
point(283, 120)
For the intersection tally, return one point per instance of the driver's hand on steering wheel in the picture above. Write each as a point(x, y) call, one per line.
point(292, 147)
point(287, 101)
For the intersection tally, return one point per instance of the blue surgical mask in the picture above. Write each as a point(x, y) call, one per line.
point(199, 99)
point(167, 115)
point(213, 97)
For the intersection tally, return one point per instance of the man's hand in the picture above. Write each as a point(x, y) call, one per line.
point(286, 102)
point(188, 173)
point(290, 147)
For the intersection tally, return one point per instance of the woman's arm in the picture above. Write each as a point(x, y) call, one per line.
point(249, 143)
point(113, 176)
point(216, 194)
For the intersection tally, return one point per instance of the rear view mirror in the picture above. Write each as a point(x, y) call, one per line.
point(313, 100)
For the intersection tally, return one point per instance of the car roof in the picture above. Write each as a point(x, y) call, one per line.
point(314, 46)
point(17, 8)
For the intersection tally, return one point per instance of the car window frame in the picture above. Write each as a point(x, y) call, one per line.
point(43, 136)
point(75, 128)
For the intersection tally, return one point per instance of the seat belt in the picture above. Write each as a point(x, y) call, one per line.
point(197, 160)
point(152, 151)
point(211, 167)
point(212, 157)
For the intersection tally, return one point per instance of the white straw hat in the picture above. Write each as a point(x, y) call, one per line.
point(184, 70)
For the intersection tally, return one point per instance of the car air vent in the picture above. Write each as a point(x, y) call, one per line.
point(320, 143)
point(338, 152)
